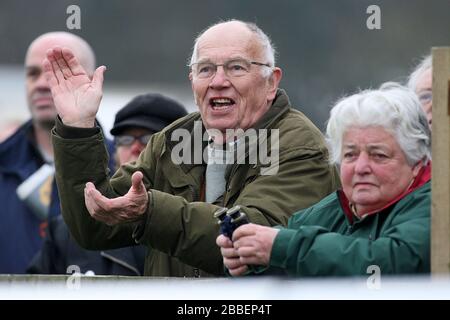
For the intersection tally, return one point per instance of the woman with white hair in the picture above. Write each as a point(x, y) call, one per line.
point(381, 142)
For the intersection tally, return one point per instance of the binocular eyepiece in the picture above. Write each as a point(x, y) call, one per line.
point(230, 220)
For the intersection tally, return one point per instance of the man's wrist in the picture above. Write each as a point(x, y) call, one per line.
point(69, 132)
point(139, 229)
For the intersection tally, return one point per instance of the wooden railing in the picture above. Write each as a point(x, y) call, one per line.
point(440, 205)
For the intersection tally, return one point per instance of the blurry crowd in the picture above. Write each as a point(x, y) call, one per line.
point(339, 202)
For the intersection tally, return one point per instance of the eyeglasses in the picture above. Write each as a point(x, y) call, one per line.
point(127, 140)
point(425, 97)
point(233, 68)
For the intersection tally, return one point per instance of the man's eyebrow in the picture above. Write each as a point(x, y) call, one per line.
point(204, 60)
point(233, 57)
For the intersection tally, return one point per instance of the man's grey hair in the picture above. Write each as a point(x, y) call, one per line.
point(392, 107)
point(425, 64)
point(269, 52)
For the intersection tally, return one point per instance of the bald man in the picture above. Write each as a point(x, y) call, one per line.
point(169, 206)
point(24, 214)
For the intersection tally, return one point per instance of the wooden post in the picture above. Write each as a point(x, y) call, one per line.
point(440, 204)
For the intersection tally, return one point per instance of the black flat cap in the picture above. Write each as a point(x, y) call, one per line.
point(150, 111)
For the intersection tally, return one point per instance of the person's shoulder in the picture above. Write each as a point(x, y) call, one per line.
point(16, 137)
point(295, 128)
point(295, 120)
point(15, 145)
point(420, 196)
point(330, 201)
point(185, 123)
point(297, 132)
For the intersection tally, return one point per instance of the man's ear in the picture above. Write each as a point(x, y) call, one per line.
point(273, 82)
point(192, 87)
point(192, 83)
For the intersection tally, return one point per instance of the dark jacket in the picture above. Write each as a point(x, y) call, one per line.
point(21, 231)
point(179, 227)
point(60, 251)
point(328, 240)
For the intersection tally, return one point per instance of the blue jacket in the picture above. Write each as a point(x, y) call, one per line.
point(21, 231)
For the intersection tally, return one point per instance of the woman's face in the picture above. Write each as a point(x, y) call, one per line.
point(374, 170)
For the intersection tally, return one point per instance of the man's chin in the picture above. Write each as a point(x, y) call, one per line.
point(46, 123)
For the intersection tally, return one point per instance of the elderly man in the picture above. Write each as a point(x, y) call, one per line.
point(168, 205)
point(23, 226)
point(380, 218)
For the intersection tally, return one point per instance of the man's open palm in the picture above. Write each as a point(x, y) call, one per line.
point(76, 96)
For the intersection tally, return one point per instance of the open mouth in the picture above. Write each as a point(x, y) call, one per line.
point(221, 104)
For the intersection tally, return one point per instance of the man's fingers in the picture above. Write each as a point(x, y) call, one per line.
point(136, 181)
point(246, 251)
point(90, 203)
point(238, 271)
point(49, 75)
point(252, 260)
point(97, 80)
point(224, 242)
point(57, 52)
point(245, 230)
point(72, 62)
point(56, 69)
point(95, 203)
point(229, 253)
point(232, 263)
point(95, 197)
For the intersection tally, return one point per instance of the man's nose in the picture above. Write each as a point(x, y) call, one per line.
point(41, 82)
point(219, 79)
point(137, 147)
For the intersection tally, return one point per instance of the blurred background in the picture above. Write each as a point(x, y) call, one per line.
point(324, 46)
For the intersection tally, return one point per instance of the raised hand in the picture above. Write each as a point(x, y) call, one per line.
point(127, 208)
point(76, 96)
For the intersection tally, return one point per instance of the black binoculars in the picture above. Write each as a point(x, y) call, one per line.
point(230, 220)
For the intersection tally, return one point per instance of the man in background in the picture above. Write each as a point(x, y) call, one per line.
point(420, 81)
point(24, 221)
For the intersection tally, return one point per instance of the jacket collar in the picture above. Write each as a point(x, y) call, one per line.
point(422, 177)
point(19, 153)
